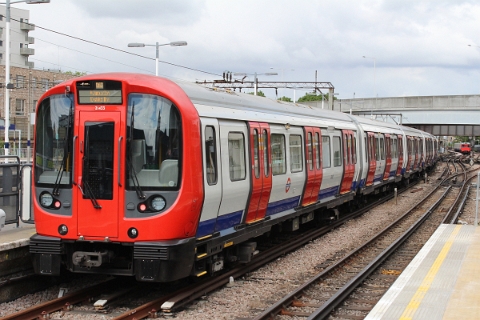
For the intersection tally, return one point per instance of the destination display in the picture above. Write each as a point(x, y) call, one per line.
point(99, 92)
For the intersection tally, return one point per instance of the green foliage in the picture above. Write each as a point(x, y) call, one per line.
point(76, 73)
point(287, 99)
point(259, 93)
point(314, 97)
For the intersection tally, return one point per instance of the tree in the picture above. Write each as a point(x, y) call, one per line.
point(76, 73)
point(287, 99)
point(259, 93)
point(314, 97)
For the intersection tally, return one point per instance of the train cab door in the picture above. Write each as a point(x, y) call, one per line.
point(400, 154)
point(313, 170)
point(372, 163)
point(212, 181)
point(388, 156)
point(348, 165)
point(98, 173)
point(261, 173)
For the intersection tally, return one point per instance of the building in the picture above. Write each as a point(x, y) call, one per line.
point(28, 83)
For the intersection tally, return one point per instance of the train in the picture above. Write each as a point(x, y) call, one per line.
point(462, 147)
point(141, 176)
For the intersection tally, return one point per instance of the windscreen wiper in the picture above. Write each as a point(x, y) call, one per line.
point(58, 180)
point(131, 169)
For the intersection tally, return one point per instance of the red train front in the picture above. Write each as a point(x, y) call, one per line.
point(113, 190)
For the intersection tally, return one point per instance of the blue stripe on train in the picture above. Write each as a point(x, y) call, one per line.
point(332, 191)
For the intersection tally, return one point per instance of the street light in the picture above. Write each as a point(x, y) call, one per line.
point(255, 81)
point(156, 45)
point(374, 71)
point(8, 85)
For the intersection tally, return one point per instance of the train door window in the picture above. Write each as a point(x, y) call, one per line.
point(279, 165)
point(310, 151)
point(337, 152)
point(210, 155)
point(349, 148)
point(266, 158)
point(377, 155)
point(256, 156)
point(382, 148)
point(400, 147)
point(236, 155)
point(296, 159)
point(326, 154)
point(317, 150)
point(354, 150)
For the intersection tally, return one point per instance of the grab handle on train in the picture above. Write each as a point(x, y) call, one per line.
point(119, 160)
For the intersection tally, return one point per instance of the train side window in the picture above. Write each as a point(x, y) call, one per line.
point(310, 151)
point(211, 155)
point(279, 165)
point(236, 155)
point(326, 154)
point(266, 158)
point(256, 155)
point(337, 152)
point(296, 158)
point(317, 150)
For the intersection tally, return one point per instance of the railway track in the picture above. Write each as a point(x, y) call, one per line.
point(170, 302)
point(351, 287)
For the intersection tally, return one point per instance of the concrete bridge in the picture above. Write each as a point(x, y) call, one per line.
point(454, 115)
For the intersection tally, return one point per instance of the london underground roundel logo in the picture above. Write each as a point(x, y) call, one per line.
point(287, 186)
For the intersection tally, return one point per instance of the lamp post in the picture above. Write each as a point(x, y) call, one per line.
point(255, 81)
point(8, 85)
point(156, 45)
point(374, 74)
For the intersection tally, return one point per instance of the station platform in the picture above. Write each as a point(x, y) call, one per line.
point(441, 282)
point(11, 238)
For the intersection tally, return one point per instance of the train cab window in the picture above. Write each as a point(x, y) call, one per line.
point(296, 158)
point(266, 158)
point(316, 143)
point(236, 155)
point(279, 165)
point(337, 152)
point(310, 151)
point(256, 156)
point(210, 155)
point(154, 136)
point(326, 153)
point(53, 141)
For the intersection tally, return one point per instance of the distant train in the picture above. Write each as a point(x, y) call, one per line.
point(141, 176)
point(463, 147)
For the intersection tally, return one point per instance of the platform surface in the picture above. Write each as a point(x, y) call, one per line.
point(12, 237)
point(441, 282)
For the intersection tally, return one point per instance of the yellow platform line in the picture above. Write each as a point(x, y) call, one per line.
point(427, 281)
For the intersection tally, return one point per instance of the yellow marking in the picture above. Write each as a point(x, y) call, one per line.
point(201, 255)
point(228, 244)
point(204, 237)
point(427, 281)
point(201, 273)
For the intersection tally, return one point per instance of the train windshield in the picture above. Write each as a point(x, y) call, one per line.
point(153, 143)
point(53, 141)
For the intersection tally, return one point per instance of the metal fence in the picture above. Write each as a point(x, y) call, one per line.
point(10, 188)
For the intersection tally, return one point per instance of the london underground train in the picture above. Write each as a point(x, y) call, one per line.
point(137, 175)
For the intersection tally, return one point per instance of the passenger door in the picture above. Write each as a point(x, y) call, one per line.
point(261, 174)
point(98, 174)
point(313, 168)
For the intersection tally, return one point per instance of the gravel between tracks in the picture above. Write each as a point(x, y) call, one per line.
point(251, 294)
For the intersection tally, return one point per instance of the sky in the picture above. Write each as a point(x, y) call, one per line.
point(411, 47)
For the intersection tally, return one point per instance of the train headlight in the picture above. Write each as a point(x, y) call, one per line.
point(132, 233)
point(46, 199)
point(158, 203)
point(62, 229)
